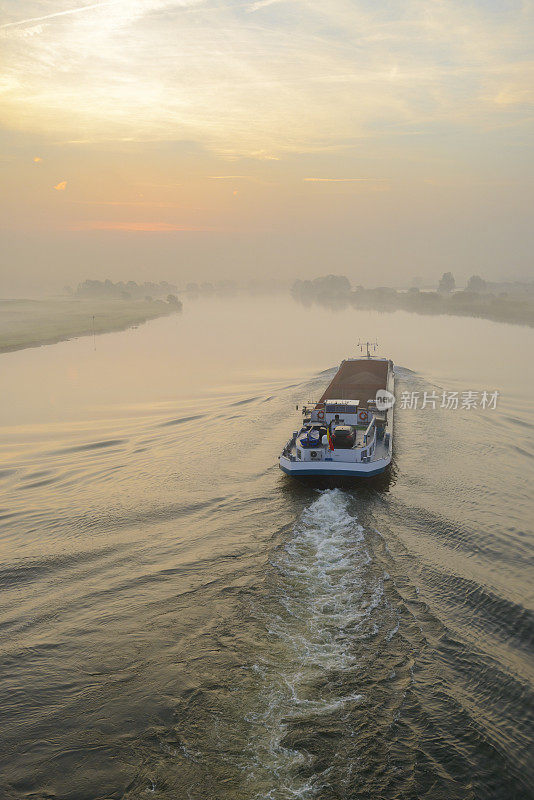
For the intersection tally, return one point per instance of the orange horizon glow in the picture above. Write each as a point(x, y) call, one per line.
point(142, 227)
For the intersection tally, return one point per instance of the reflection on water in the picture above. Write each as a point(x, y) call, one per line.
point(179, 619)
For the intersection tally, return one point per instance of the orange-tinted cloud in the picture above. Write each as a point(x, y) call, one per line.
point(229, 177)
point(148, 227)
point(341, 180)
point(136, 203)
point(61, 186)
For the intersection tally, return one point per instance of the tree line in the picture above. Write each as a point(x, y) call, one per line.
point(478, 299)
point(129, 290)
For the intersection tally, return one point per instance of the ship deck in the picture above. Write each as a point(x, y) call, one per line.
point(381, 449)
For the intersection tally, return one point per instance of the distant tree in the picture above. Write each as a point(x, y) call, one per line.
point(476, 284)
point(95, 288)
point(192, 288)
point(447, 283)
point(332, 285)
point(303, 292)
point(90, 288)
point(173, 300)
point(466, 299)
point(383, 297)
point(333, 291)
point(430, 300)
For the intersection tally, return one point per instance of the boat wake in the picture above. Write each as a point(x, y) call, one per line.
point(326, 598)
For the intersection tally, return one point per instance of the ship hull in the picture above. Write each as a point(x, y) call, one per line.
point(339, 470)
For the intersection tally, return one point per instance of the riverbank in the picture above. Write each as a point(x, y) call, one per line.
point(335, 292)
point(32, 323)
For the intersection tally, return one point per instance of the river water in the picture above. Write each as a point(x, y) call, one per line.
point(180, 620)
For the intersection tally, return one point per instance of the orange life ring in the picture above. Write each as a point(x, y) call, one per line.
point(362, 416)
point(320, 415)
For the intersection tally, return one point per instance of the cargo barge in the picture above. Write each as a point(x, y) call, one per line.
point(349, 431)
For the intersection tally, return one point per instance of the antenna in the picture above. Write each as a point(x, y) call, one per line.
point(367, 345)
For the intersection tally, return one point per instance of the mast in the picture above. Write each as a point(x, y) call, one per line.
point(368, 345)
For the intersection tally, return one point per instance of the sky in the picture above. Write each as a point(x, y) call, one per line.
point(191, 139)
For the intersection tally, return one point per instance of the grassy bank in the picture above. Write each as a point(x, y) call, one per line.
point(30, 323)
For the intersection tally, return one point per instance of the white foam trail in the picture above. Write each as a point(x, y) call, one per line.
point(323, 598)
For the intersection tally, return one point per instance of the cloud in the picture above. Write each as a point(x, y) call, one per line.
point(58, 14)
point(263, 155)
point(61, 186)
point(338, 87)
point(230, 177)
point(253, 90)
point(143, 227)
point(263, 4)
point(342, 180)
point(135, 203)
